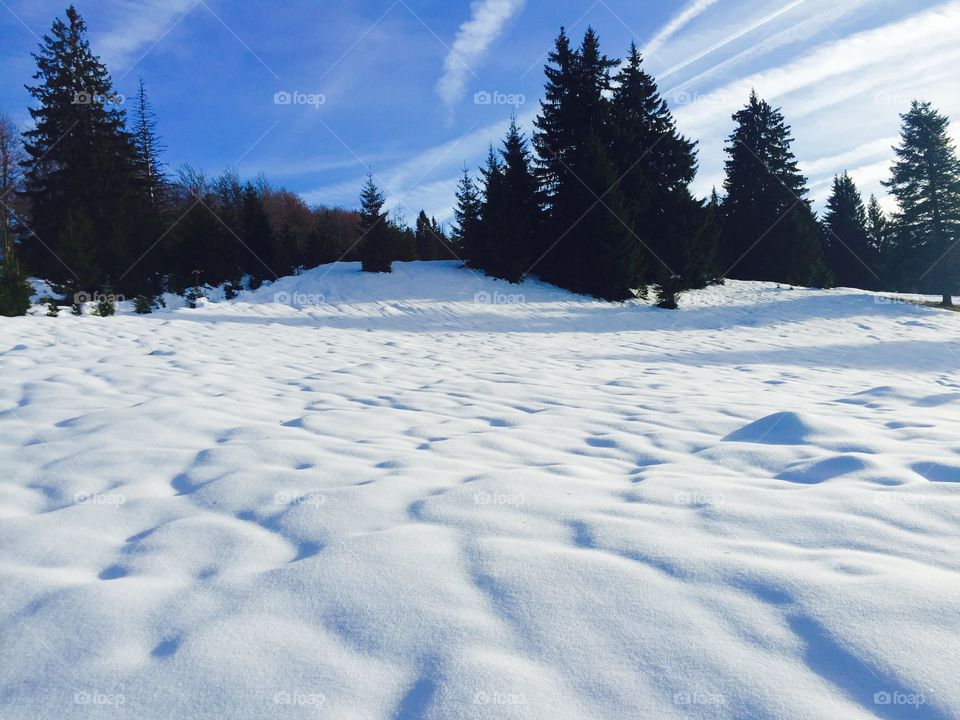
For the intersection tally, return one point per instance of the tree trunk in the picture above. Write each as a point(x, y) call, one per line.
point(947, 300)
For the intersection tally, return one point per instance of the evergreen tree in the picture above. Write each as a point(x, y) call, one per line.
point(511, 214)
point(879, 232)
point(426, 239)
point(80, 157)
point(769, 229)
point(15, 291)
point(574, 115)
point(466, 217)
point(148, 148)
point(657, 165)
point(481, 254)
point(375, 251)
point(849, 254)
point(257, 235)
point(926, 184)
point(552, 140)
point(878, 227)
point(602, 254)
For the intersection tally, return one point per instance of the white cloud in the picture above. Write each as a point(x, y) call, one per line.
point(742, 32)
point(689, 13)
point(135, 28)
point(487, 20)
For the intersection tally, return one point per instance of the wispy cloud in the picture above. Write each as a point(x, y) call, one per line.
point(686, 16)
point(486, 23)
point(136, 27)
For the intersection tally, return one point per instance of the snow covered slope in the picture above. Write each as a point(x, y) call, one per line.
point(432, 495)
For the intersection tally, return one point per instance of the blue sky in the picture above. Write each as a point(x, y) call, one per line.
point(413, 89)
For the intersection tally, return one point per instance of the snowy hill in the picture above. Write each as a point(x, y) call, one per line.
point(433, 495)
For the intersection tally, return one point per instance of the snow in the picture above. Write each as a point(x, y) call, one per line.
point(433, 495)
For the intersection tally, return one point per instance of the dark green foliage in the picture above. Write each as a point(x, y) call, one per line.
point(142, 305)
point(105, 303)
point(926, 184)
point(148, 149)
point(657, 165)
point(431, 242)
point(15, 291)
point(53, 307)
point(851, 257)
point(466, 217)
point(769, 229)
point(80, 159)
point(510, 217)
point(376, 253)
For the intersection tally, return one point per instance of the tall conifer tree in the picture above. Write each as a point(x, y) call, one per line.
point(769, 229)
point(926, 184)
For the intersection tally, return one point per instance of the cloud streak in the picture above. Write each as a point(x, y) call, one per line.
point(486, 23)
point(688, 15)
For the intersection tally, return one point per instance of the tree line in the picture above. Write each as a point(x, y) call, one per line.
point(597, 200)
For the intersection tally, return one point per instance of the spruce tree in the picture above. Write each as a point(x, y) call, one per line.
point(657, 165)
point(426, 238)
point(375, 251)
point(80, 157)
point(552, 140)
point(574, 116)
point(848, 252)
point(604, 256)
point(481, 254)
point(769, 229)
point(926, 184)
point(148, 148)
point(466, 217)
point(511, 214)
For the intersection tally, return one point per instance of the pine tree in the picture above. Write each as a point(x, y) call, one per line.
point(574, 115)
point(481, 254)
point(80, 157)
point(657, 165)
point(15, 291)
point(603, 255)
point(257, 235)
point(926, 184)
point(511, 213)
point(148, 148)
point(552, 140)
point(466, 217)
point(848, 252)
point(375, 251)
point(425, 238)
point(878, 227)
point(769, 229)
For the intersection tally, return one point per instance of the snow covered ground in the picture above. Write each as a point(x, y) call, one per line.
point(432, 495)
